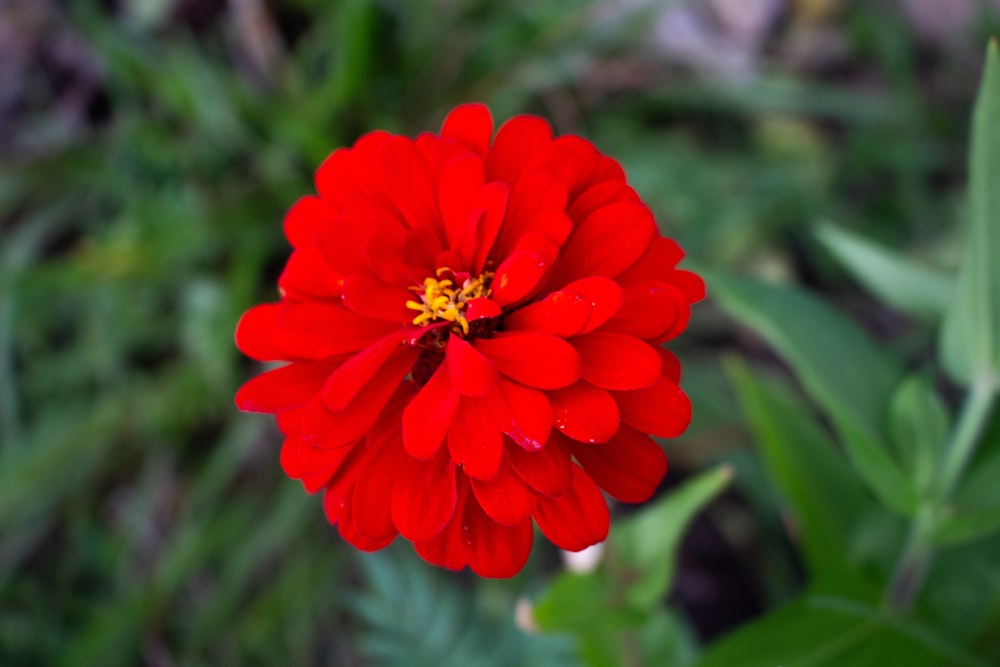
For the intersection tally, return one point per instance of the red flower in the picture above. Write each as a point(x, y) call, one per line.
point(474, 328)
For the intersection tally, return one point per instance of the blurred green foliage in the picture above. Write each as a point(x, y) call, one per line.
point(144, 521)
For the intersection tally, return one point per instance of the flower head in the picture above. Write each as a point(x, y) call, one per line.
point(473, 325)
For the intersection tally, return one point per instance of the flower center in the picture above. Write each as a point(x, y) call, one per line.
point(443, 298)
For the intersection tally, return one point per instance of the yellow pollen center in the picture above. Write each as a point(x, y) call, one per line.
point(442, 299)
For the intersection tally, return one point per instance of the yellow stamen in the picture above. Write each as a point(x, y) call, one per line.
point(442, 300)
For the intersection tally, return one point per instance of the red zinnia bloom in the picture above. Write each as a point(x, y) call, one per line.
point(473, 325)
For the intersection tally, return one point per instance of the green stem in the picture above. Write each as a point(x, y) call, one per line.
point(970, 427)
point(914, 561)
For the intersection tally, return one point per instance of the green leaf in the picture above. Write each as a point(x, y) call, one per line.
point(646, 543)
point(833, 632)
point(827, 501)
point(574, 602)
point(840, 367)
point(666, 640)
point(970, 343)
point(903, 284)
point(918, 423)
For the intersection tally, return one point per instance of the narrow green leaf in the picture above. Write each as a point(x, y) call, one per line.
point(647, 542)
point(901, 283)
point(833, 632)
point(918, 423)
point(841, 368)
point(970, 343)
point(827, 501)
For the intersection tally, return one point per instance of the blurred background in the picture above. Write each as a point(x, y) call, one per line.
point(148, 151)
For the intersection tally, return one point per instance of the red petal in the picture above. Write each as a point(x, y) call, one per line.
point(520, 273)
point(409, 182)
point(350, 173)
point(650, 310)
point(475, 442)
point(492, 200)
point(385, 259)
point(308, 275)
point(368, 296)
point(671, 365)
point(505, 498)
point(372, 502)
point(604, 295)
point(420, 248)
point(536, 192)
point(374, 217)
point(470, 124)
point(584, 412)
point(342, 247)
point(424, 498)
point(447, 549)
point(662, 410)
point(285, 387)
point(612, 239)
point(348, 529)
point(477, 309)
point(334, 178)
point(662, 255)
point(523, 414)
point(561, 313)
point(438, 152)
point(607, 169)
point(472, 374)
point(428, 416)
point(516, 141)
point(547, 470)
point(690, 283)
point(256, 333)
point(289, 457)
point(575, 520)
point(315, 330)
point(316, 467)
point(491, 549)
point(308, 216)
point(458, 189)
point(350, 378)
point(630, 467)
point(553, 223)
point(325, 428)
point(617, 361)
point(338, 492)
point(537, 360)
point(571, 159)
point(598, 196)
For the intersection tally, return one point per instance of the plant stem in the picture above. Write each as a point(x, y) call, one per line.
point(963, 444)
point(914, 562)
point(915, 558)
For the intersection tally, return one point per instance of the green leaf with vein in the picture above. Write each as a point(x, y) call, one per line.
point(841, 368)
point(970, 342)
point(901, 283)
point(827, 501)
